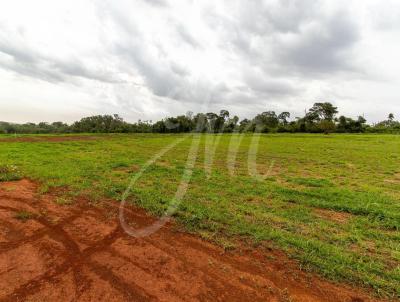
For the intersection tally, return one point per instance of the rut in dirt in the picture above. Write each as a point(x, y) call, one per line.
point(79, 252)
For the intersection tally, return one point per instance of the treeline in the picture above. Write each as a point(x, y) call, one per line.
point(320, 118)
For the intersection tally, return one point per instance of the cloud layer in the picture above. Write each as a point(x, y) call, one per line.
point(148, 59)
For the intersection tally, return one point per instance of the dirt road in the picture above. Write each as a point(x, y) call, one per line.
point(79, 252)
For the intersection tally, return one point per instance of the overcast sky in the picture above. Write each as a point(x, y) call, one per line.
point(147, 59)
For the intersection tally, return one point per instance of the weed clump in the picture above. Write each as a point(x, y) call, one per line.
point(24, 216)
point(9, 173)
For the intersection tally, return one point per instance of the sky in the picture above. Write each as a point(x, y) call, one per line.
point(148, 59)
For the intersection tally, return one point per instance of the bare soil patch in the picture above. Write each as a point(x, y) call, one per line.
point(339, 217)
point(79, 252)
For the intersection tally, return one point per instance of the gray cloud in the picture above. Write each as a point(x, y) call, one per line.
point(160, 3)
point(262, 84)
point(23, 59)
point(18, 54)
point(163, 75)
point(232, 53)
point(321, 47)
point(266, 17)
point(291, 36)
point(186, 36)
point(159, 77)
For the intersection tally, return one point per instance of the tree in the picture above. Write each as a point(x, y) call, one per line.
point(212, 121)
point(189, 115)
point(231, 124)
point(185, 123)
point(101, 124)
point(159, 127)
point(346, 124)
point(246, 125)
point(321, 117)
point(283, 117)
point(323, 111)
point(235, 120)
point(200, 122)
point(312, 117)
point(388, 125)
point(224, 114)
point(326, 126)
point(221, 121)
point(361, 120)
point(266, 120)
point(9, 128)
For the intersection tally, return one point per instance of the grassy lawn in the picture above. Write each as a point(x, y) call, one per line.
point(330, 201)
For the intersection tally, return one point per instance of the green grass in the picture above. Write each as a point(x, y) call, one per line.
point(354, 176)
point(24, 216)
point(9, 173)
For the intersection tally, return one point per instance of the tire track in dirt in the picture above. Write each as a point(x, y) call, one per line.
point(74, 259)
point(80, 252)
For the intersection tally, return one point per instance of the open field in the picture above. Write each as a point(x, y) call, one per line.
point(51, 251)
point(331, 202)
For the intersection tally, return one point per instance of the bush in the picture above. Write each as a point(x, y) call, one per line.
point(282, 129)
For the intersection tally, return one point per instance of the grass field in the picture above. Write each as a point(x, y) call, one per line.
point(330, 201)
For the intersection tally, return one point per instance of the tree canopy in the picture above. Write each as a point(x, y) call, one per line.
point(320, 118)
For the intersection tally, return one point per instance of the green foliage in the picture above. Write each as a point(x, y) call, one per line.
point(283, 117)
point(101, 123)
point(349, 125)
point(319, 119)
point(322, 111)
point(9, 173)
point(31, 128)
point(266, 120)
point(326, 126)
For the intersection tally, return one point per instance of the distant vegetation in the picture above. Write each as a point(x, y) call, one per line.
point(320, 118)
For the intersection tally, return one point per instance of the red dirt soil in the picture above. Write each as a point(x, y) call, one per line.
point(79, 252)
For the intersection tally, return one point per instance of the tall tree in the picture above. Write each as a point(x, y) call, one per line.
point(323, 111)
point(267, 119)
point(211, 118)
point(283, 117)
